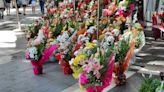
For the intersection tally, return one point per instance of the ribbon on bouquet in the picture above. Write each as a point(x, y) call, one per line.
point(129, 55)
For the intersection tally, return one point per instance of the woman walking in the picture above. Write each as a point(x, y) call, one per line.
point(7, 2)
point(33, 4)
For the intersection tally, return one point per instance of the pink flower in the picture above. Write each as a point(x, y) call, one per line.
point(120, 12)
point(83, 79)
point(107, 12)
point(97, 67)
point(132, 7)
point(114, 7)
point(46, 31)
point(36, 42)
point(27, 55)
point(88, 68)
point(98, 75)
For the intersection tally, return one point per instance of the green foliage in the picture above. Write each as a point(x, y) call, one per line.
point(40, 49)
point(121, 51)
point(149, 85)
point(58, 29)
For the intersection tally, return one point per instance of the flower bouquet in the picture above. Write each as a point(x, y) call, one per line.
point(123, 56)
point(125, 7)
point(97, 73)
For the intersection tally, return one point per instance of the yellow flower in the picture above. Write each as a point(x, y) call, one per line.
point(78, 59)
point(90, 45)
point(77, 72)
point(64, 28)
point(140, 27)
point(87, 23)
point(101, 37)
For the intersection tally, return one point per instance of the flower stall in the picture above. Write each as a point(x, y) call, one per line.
point(89, 45)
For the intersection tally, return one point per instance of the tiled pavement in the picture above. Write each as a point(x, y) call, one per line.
point(16, 73)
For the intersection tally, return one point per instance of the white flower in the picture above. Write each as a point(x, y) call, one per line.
point(71, 61)
point(33, 52)
point(80, 37)
point(107, 34)
point(110, 39)
point(96, 42)
point(92, 29)
point(122, 5)
point(76, 53)
point(71, 30)
point(40, 36)
point(86, 16)
point(116, 32)
point(135, 18)
point(63, 37)
point(105, 45)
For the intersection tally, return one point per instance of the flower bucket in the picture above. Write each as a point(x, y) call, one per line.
point(121, 66)
point(37, 69)
point(66, 67)
point(119, 74)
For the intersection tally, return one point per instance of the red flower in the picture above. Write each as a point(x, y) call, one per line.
point(58, 56)
point(46, 29)
point(87, 1)
point(71, 5)
point(43, 16)
point(86, 34)
point(112, 33)
point(79, 5)
point(69, 31)
point(105, 2)
point(37, 21)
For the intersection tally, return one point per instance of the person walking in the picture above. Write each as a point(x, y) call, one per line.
point(24, 3)
point(2, 8)
point(42, 2)
point(19, 3)
point(33, 4)
point(7, 2)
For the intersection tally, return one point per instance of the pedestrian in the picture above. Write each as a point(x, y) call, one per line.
point(19, 3)
point(24, 3)
point(42, 2)
point(156, 31)
point(2, 8)
point(33, 4)
point(7, 2)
